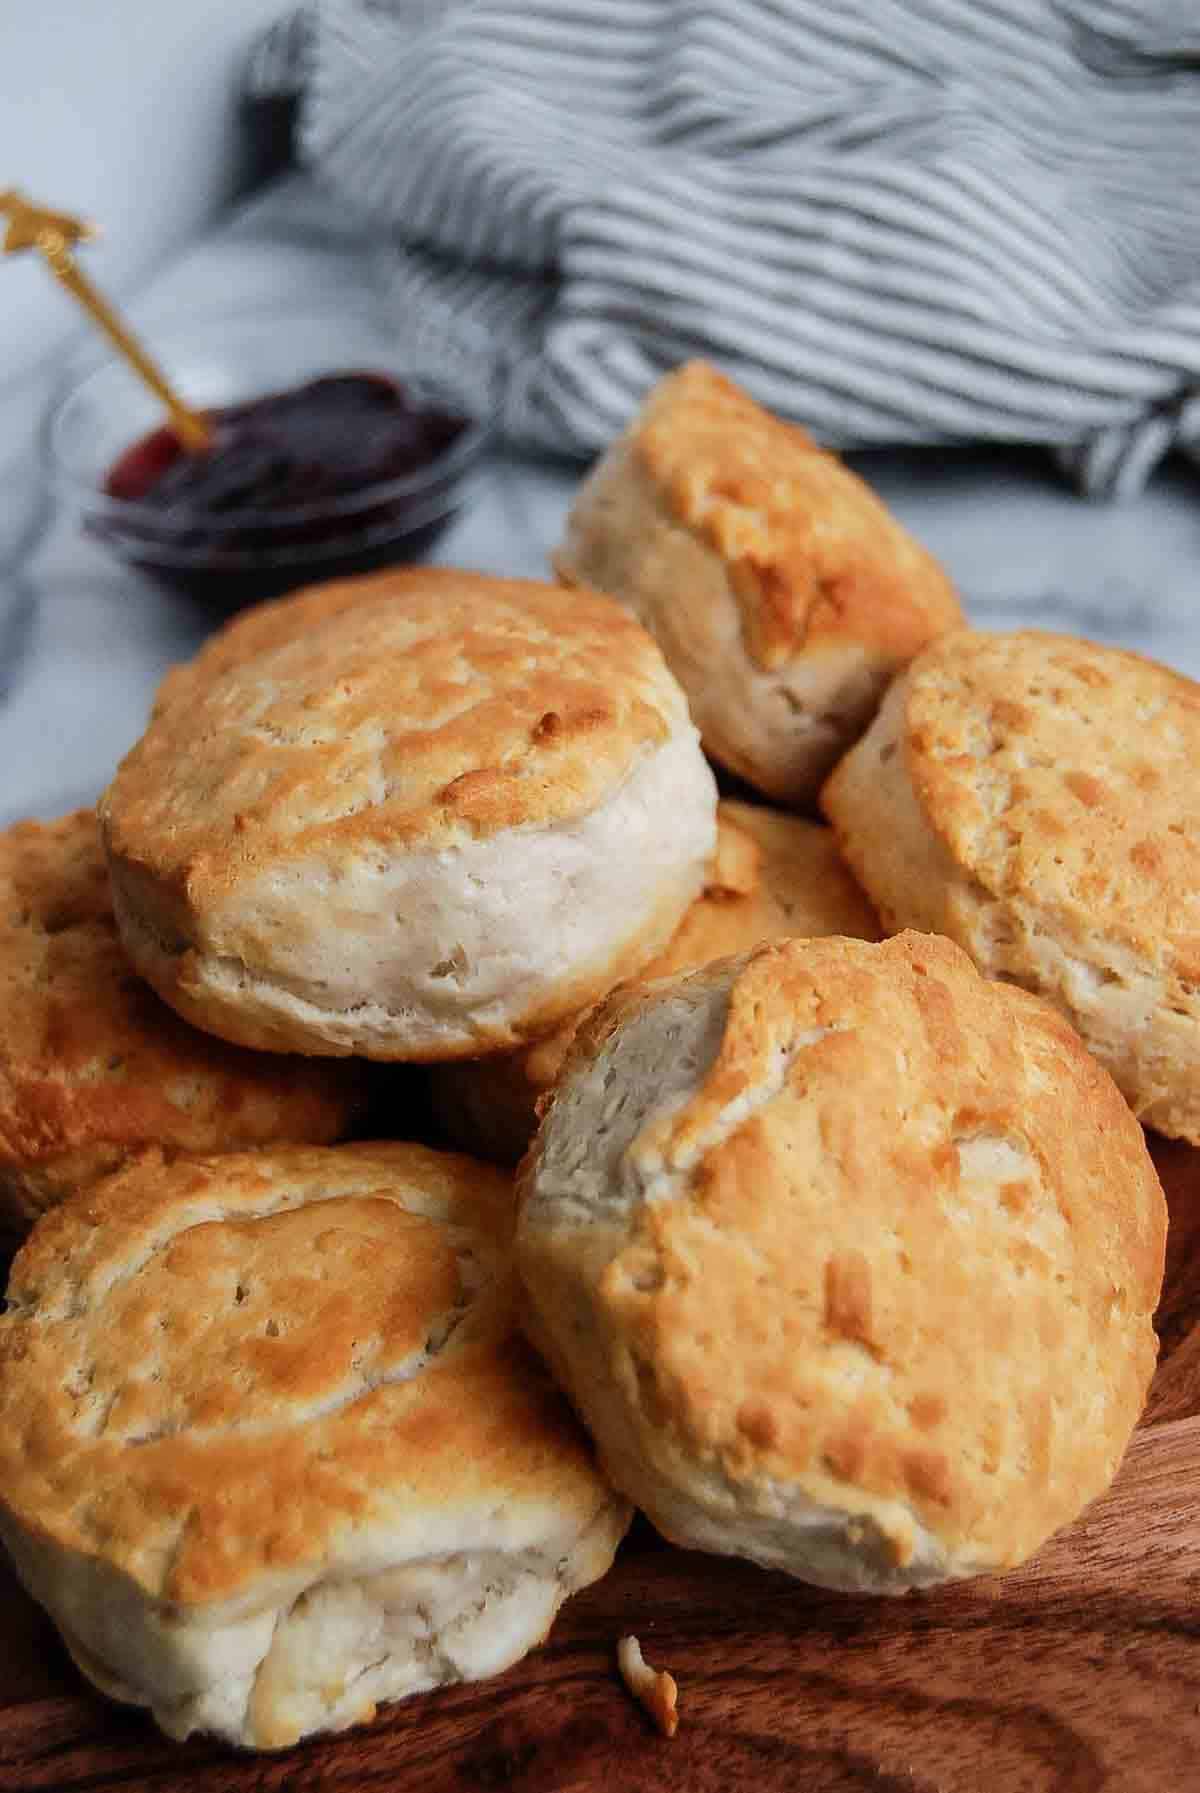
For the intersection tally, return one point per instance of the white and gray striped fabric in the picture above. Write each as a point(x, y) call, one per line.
point(899, 221)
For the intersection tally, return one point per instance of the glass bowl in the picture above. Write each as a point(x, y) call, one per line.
point(252, 553)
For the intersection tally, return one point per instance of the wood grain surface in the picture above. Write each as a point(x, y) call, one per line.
point(1080, 1674)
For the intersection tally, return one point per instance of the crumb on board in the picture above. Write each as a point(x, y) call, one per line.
point(653, 1687)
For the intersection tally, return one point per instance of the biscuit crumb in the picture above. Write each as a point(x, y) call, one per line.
point(653, 1687)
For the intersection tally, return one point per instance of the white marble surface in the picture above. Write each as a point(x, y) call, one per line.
point(1022, 548)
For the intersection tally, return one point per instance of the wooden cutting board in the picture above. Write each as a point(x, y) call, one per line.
point(1079, 1674)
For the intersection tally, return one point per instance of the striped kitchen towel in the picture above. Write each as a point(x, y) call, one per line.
point(898, 221)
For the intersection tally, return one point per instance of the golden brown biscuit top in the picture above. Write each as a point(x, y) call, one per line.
point(89, 1054)
point(902, 1245)
point(211, 1370)
point(52, 874)
point(812, 554)
point(772, 875)
point(261, 627)
point(1064, 773)
point(445, 705)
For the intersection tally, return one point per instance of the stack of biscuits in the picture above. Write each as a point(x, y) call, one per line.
point(834, 1243)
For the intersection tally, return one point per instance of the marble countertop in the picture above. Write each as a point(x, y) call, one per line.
point(1023, 549)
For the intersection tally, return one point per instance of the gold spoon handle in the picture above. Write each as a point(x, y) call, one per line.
point(32, 227)
point(192, 431)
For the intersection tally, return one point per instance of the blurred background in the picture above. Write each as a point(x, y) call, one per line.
point(137, 116)
point(130, 114)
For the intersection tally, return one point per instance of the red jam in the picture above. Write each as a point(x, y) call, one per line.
point(304, 456)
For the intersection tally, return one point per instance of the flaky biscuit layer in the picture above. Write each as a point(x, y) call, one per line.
point(93, 1066)
point(269, 1449)
point(772, 875)
point(429, 824)
point(781, 590)
point(847, 1257)
point(1035, 798)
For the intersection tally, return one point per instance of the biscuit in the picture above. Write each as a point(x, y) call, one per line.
point(772, 875)
point(1035, 798)
point(257, 629)
point(782, 592)
point(430, 825)
point(270, 1451)
point(848, 1259)
point(93, 1066)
